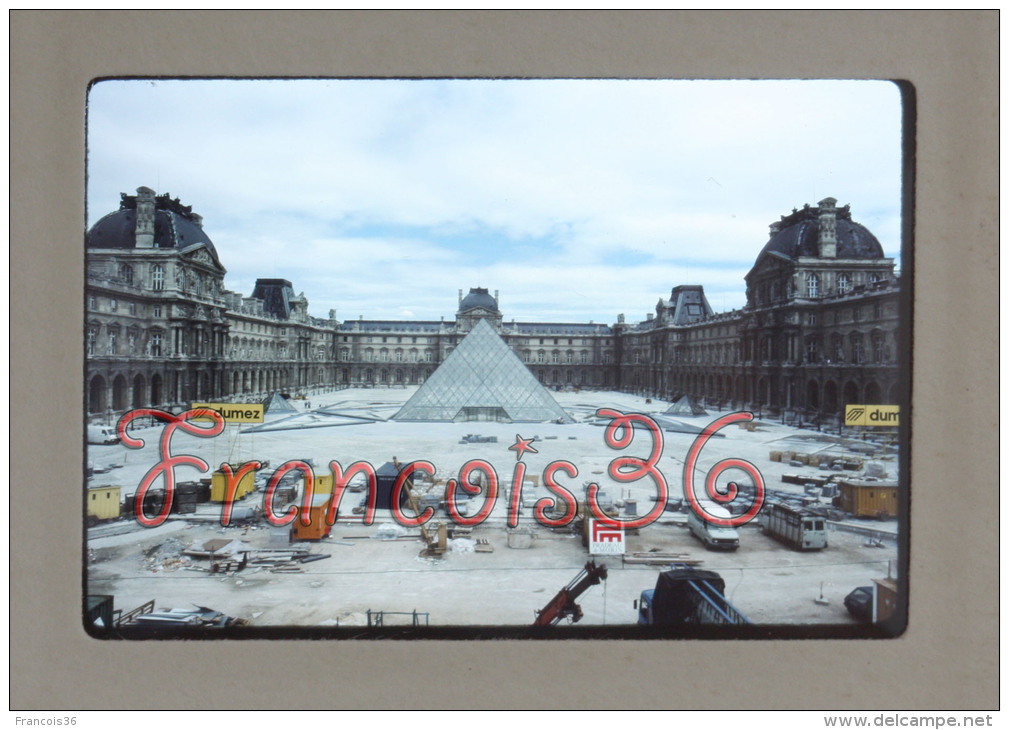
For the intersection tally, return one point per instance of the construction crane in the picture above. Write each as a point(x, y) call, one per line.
point(437, 544)
point(563, 604)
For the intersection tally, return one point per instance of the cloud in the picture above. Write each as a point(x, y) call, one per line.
point(579, 198)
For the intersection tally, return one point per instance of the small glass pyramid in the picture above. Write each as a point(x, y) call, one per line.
point(482, 380)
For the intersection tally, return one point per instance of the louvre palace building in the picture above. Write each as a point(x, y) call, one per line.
point(820, 328)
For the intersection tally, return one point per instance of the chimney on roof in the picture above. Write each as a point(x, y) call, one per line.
point(828, 228)
point(460, 297)
point(145, 218)
point(197, 219)
point(496, 300)
point(775, 228)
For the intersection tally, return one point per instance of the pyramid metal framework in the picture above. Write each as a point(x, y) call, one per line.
point(482, 380)
point(686, 406)
point(277, 403)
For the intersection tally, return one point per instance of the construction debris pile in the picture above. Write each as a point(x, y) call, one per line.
point(166, 556)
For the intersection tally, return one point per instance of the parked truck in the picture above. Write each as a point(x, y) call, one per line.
point(797, 527)
point(686, 595)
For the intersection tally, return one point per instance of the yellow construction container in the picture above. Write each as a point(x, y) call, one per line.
point(323, 484)
point(868, 499)
point(103, 503)
point(318, 526)
point(219, 485)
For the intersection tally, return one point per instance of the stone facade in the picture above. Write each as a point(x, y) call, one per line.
point(820, 329)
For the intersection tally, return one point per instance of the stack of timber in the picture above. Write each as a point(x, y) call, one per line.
point(656, 557)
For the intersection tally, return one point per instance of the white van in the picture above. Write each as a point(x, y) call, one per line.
point(714, 537)
point(98, 434)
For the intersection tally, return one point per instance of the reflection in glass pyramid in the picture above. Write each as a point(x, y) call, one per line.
point(482, 380)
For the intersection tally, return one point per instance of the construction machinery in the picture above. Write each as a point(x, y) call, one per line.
point(686, 595)
point(563, 606)
point(436, 541)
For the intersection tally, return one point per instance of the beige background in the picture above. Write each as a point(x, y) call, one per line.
point(947, 659)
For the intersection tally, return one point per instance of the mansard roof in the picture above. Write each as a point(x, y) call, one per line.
point(175, 227)
point(796, 236)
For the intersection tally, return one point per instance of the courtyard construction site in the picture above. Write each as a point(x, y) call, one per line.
point(504, 571)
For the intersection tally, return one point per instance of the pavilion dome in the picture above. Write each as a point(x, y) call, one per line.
point(175, 226)
point(478, 298)
point(797, 235)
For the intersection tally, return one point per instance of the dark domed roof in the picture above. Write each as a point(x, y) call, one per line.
point(478, 298)
point(798, 235)
point(175, 226)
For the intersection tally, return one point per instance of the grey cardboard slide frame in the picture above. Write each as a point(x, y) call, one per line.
point(947, 657)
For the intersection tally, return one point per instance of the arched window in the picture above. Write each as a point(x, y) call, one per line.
point(813, 286)
point(126, 273)
point(843, 283)
point(157, 277)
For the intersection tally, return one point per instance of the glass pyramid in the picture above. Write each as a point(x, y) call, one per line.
point(482, 380)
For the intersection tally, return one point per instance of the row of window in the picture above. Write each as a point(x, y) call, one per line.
point(841, 349)
point(844, 285)
point(413, 377)
point(556, 357)
point(770, 292)
point(540, 357)
point(152, 347)
point(188, 281)
point(113, 306)
point(837, 351)
point(425, 340)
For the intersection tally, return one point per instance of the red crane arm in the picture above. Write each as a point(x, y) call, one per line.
point(563, 604)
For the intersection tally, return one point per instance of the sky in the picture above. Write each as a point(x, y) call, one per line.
point(576, 200)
